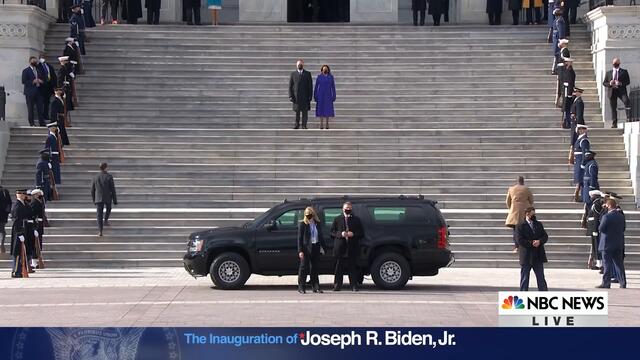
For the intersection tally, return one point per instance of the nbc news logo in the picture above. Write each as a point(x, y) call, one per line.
point(553, 309)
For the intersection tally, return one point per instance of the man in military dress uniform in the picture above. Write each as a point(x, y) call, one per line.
point(569, 83)
point(38, 209)
point(20, 213)
point(580, 147)
point(42, 174)
point(577, 113)
point(52, 146)
point(77, 26)
point(59, 115)
point(593, 222)
point(30, 233)
point(557, 31)
point(589, 182)
point(66, 76)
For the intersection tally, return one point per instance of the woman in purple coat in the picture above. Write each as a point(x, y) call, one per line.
point(324, 94)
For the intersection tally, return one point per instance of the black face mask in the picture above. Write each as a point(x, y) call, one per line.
point(616, 65)
point(533, 218)
point(309, 216)
point(348, 212)
point(300, 67)
point(34, 63)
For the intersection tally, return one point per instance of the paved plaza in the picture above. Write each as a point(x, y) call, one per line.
point(170, 297)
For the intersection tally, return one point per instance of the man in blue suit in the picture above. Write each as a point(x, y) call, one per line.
point(612, 227)
point(32, 80)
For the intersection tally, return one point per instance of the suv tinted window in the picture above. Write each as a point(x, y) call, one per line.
point(330, 214)
point(290, 219)
point(398, 215)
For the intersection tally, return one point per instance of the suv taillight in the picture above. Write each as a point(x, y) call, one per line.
point(443, 242)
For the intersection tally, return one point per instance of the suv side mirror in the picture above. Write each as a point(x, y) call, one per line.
point(271, 225)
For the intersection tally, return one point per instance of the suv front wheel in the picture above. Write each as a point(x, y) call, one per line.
point(229, 271)
point(390, 271)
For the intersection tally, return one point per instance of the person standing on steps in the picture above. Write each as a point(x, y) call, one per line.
point(77, 27)
point(215, 6)
point(436, 9)
point(131, 11)
point(568, 82)
point(32, 81)
point(310, 246)
point(42, 174)
point(589, 183)
point(191, 12)
point(114, 4)
point(519, 199)
point(494, 10)
point(577, 113)
point(593, 223)
point(532, 10)
point(50, 81)
point(616, 81)
point(531, 237)
point(325, 95)
point(577, 159)
point(301, 93)
point(5, 210)
point(153, 11)
point(515, 6)
point(52, 146)
point(103, 193)
point(418, 7)
point(612, 228)
point(346, 231)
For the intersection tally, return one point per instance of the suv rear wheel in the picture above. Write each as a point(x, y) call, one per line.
point(229, 271)
point(390, 271)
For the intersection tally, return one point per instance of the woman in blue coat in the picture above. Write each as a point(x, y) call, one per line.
point(325, 94)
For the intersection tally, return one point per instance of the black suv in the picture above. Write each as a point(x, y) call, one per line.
point(404, 237)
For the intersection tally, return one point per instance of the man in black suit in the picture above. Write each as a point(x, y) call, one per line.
point(531, 238)
point(301, 93)
point(616, 81)
point(32, 81)
point(103, 192)
point(612, 227)
point(346, 231)
point(50, 81)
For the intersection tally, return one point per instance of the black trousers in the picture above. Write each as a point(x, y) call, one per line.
point(613, 265)
point(495, 18)
point(35, 101)
point(114, 4)
point(46, 101)
point(436, 19)
point(415, 17)
point(565, 15)
point(613, 103)
point(515, 15)
point(153, 16)
point(305, 118)
point(530, 14)
point(100, 211)
point(309, 266)
point(349, 263)
point(525, 272)
point(573, 14)
point(193, 12)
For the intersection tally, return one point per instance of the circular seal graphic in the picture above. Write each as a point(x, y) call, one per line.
point(95, 344)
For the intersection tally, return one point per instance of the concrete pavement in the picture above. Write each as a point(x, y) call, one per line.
point(170, 297)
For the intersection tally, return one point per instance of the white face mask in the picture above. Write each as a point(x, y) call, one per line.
point(41, 61)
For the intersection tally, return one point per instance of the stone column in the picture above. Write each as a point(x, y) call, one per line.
point(22, 32)
point(615, 32)
point(262, 11)
point(374, 11)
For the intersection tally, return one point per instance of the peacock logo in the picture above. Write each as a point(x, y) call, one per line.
point(512, 302)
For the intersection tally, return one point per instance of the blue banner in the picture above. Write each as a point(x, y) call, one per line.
point(315, 343)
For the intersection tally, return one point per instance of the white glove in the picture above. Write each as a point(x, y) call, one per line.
point(73, 76)
point(21, 238)
point(50, 167)
point(77, 44)
point(322, 251)
point(36, 233)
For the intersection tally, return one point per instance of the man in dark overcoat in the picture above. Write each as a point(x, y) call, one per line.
point(346, 231)
point(531, 237)
point(418, 7)
point(301, 93)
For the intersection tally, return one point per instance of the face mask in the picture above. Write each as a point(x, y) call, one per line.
point(41, 60)
point(300, 67)
point(616, 65)
point(533, 218)
point(325, 72)
point(309, 216)
point(33, 63)
point(348, 212)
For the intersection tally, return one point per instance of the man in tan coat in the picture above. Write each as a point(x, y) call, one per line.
point(519, 199)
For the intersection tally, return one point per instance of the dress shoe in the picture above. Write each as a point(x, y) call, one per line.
point(327, 127)
point(602, 287)
point(355, 289)
point(623, 286)
point(615, 281)
point(601, 270)
point(304, 127)
point(106, 223)
point(301, 290)
point(16, 275)
point(317, 290)
point(593, 267)
point(336, 288)
point(321, 127)
point(100, 233)
point(614, 125)
point(296, 127)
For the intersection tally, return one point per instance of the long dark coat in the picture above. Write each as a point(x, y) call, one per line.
point(438, 7)
point(342, 247)
point(153, 4)
point(20, 214)
point(530, 255)
point(301, 90)
point(131, 10)
point(418, 5)
point(514, 4)
point(5, 205)
point(494, 6)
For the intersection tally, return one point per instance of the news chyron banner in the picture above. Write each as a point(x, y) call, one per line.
point(553, 309)
point(316, 343)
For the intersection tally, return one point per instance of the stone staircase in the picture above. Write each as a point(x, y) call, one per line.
point(196, 127)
